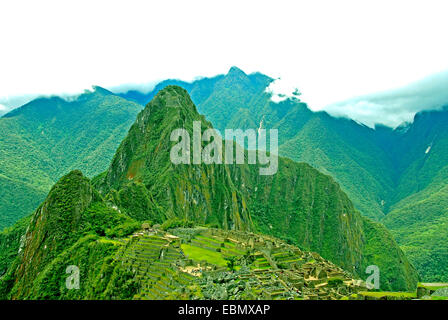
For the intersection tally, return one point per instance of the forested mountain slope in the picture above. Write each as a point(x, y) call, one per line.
point(47, 137)
point(339, 147)
point(383, 170)
point(420, 219)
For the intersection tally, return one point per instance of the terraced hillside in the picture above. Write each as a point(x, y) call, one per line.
point(203, 263)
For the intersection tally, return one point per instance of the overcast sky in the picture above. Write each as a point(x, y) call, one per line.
point(332, 51)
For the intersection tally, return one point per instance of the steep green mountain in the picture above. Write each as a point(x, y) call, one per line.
point(420, 220)
point(47, 137)
point(74, 229)
point(420, 225)
point(424, 147)
point(384, 171)
point(66, 227)
point(339, 147)
point(10, 239)
point(75, 226)
point(142, 163)
point(297, 204)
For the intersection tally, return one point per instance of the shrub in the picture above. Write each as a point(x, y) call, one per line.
point(176, 223)
point(123, 230)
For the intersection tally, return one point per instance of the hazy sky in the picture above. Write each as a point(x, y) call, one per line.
point(331, 50)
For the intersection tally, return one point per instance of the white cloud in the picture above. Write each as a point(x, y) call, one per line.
point(3, 109)
point(392, 107)
point(330, 50)
point(282, 90)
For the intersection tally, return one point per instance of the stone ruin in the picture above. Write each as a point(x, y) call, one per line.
point(268, 268)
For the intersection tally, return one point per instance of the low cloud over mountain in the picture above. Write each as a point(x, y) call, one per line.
point(395, 106)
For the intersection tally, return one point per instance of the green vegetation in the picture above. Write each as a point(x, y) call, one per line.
point(64, 230)
point(379, 249)
point(86, 224)
point(439, 298)
point(420, 224)
point(297, 204)
point(176, 223)
point(48, 137)
point(425, 291)
point(123, 230)
point(398, 177)
point(419, 221)
point(231, 263)
point(389, 295)
point(199, 254)
point(10, 242)
point(432, 286)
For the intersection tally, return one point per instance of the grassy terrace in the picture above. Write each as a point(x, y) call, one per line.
point(432, 286)
point(200, 254)
point(429, 289)
point(216, 244)
point(439, 298)
point(389, 295)
point(261, 263)
point(285, 257)
point(151, 257)
point(214, 241)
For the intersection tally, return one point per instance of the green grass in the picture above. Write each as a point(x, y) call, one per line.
point(260, 268)
point(439, 298)
point(204, 238)
point(200, 254)
point(432, 286)
point(381, 294)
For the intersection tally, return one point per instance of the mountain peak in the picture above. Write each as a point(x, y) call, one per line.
point(99, 89)
point(56, 218)
point(236, 71)
point(174, 91)
point(172, 96)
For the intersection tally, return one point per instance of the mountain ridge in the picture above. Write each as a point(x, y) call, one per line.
point(78, 224)
point(358, 181)
point(49, 136)
point(305, 215)
point(378, 178)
